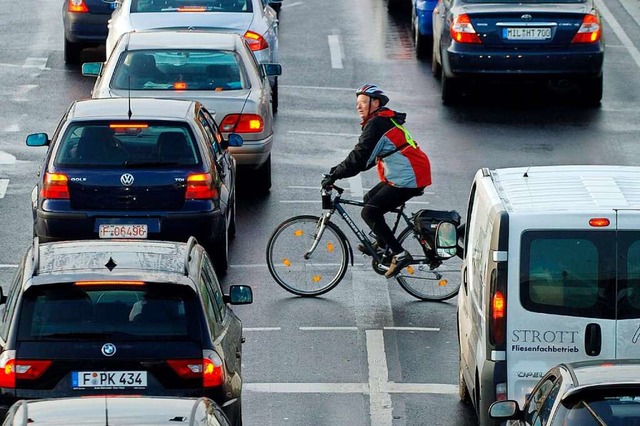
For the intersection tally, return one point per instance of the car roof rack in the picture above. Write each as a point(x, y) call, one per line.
point(191, 243)
point(35, 256)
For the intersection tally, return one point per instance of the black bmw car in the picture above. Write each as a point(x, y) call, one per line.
point(559, 42)
point(139, 168)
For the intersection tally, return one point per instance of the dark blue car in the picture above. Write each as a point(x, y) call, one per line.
point(85, 25)
point(139, 168)
point(558, 42)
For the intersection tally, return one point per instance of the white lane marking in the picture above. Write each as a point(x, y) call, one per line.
point(6, 158)
point(344, 89)
point(3, 187)
point(335, 50)
point(12, 128)
point(39, 63)
point(617, 28)
point(11, 65)
point(633, 9)
point(301, 132)
point(261, 328)
point(421, 388)
point(288, 5)
point(412, 328)
point(6, 265)
point(328, 328)
point(381, 408)
point(20, 94)
point(355, 186)
point(306, 387)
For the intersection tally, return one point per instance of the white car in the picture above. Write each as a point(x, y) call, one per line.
point(254, 20)
point(214, 68)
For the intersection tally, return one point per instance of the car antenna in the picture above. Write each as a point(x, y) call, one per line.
point(526, 172)
point(106, 412)
point(241, 110)
point(129, 113)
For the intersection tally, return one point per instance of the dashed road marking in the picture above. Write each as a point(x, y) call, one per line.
point(6, 158)
point(21, 92)
point(288, 5)
point(3, 187)
point(6, 265)
point(39, 63)
point(381, 408)
point(12, 128)
point(335, 50)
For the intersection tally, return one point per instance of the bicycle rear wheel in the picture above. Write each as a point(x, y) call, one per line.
point(424, 282)
point(324, 268)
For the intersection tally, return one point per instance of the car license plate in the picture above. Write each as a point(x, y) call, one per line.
point(108, 379)
point(122, 231)
point(526, 33)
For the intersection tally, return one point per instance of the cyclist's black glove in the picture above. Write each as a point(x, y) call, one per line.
point(327, 181)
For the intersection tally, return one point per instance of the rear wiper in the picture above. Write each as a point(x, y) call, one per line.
point(143, 164)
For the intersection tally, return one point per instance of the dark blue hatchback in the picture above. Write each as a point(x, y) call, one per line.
point(85, 25)
point(560, 42)
point(165, 173)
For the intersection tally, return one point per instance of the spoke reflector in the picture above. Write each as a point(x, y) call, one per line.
point(298, 233)
point(329, 247)
point(286, 262)
point(443, 283)
point(316, 278)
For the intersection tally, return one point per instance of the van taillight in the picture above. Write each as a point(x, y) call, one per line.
point(255, 41)
point(200, 187)
point(462, 30)
point(55, 186)
point(209, 368)
point(498, 310)
point(242, 123)
point(501, 391)
point(77, 6)
point(23, 369)
point(590, 30)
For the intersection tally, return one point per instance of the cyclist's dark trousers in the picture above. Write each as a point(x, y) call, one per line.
point(381, 199)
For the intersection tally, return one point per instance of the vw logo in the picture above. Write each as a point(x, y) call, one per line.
point(526, 17)
point(108, 349)
point(126, 179)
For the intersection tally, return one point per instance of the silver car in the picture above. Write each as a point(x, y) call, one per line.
point(254, 20)
point(214, 68)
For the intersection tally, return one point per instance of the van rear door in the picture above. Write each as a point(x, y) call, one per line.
point(628, 284)
point(563, 309)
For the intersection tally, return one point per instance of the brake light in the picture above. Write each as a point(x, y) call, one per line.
point(109, 282)
point(128, 126)
point(24, 369)
point(599, 222)
point(209, 369)
point(200, 187)
point(77, 6)
point(55, 187)
point(498, 308)
point(462, 30)
point(192, 9)
point(590, 30)
point(179, 85)
point(242, 123)
point(255, 41)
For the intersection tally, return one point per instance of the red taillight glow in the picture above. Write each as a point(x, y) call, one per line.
point(200, 187)
point(590, 30)
point(501, 391)
point(498, 309)
point(462, 30)
point(209, 368)
point(23, 369)
point(55, 187)
point(192, 9)
point(242, 123)
point(599, 222)
point(77, 6)
point(110, 282)
point(255, 41)
point(128, 126)
point(180, 85)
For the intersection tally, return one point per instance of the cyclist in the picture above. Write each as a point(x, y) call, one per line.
point(404, 170)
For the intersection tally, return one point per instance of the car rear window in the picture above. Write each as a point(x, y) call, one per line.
point(127, 144)
point(180, 70)
point(191, 6)
point(611, 406)
point(147, 312)
point(592, 274)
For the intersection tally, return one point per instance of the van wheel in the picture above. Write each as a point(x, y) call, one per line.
point(463, 391)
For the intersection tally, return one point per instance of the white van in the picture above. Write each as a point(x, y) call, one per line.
point(551, 273)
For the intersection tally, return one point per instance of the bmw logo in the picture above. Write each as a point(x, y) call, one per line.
point(108, 349)
point(126, 179)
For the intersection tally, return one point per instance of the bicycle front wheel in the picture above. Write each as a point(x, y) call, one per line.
point(421, 280)
point(323, 268)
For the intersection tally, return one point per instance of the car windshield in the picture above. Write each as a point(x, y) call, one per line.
point(115, 312)
point(191, 6)
point(126, 144)
point(179, 69)
point(620, 407)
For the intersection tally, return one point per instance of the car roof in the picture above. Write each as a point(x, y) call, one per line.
point(167, 39)
point(91, 260)
point(141, 108)
point(604, 371)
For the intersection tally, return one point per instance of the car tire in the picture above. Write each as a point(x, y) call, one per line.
point(218, 248)
point(274, 96)
point(592, 91)
point(450, 89)
point(423, 44)
point(436, 68)
point(232, 219)
point(263, 176)
point(72, 52)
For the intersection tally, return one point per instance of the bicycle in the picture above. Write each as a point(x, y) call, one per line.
point(308, 255)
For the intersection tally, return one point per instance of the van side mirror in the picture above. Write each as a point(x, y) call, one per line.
point(239, 295)
point(38, 139)
point(91, 69)
point(446, 240)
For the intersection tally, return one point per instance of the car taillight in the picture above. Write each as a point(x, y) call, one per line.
point(209, 368)
point(77, 6)
point(200, 187)
point(590, 30)
point(255, 41)
point(462, 30)
point(498, 308)
point(23, 369)
point(242, 123)
point(55, 187)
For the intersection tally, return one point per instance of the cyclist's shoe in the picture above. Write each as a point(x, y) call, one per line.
point(398, 262)
point(376, 246)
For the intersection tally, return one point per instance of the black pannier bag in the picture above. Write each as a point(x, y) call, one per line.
point(426, 221)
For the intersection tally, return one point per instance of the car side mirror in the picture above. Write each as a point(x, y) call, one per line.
point(239, 295)
point(38, 139)
point(446, 240)
point(91, 69)
point(272, 69)
point(234, 139)
point(504, 410)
